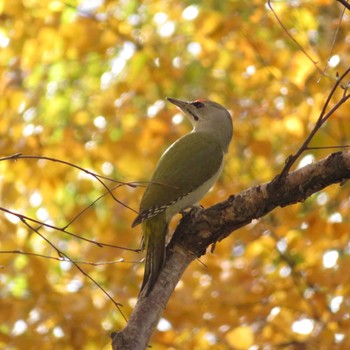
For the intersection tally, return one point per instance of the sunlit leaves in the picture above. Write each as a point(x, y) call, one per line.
point(85, 82)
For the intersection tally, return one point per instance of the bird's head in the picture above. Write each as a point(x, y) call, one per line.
point(207, 116)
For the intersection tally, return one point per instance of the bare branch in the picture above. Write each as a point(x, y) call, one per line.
point(323, 117)
point(344, 3)
point(196, 233)
point(63, 259)
point(291, 37)
point(62, 254)
point(332, 45)
point(56, 228)
point(98, 177)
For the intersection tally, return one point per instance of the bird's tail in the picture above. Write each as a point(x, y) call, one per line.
point(154, 235)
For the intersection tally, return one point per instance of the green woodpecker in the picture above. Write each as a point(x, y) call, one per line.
point(184, 174)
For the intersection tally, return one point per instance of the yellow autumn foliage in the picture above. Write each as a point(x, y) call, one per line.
point(84, 83)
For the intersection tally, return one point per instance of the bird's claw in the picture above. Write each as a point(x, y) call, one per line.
point(192, 211)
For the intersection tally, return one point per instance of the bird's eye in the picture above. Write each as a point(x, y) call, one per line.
point(198, 104)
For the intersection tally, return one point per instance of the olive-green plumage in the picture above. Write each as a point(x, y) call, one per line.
point(184, 173)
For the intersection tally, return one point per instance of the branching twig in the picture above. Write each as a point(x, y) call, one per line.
point(62, 254)
point(344, 3)
point(100, 244)
point(95, 201)
point(323, 117)
point(98, 177)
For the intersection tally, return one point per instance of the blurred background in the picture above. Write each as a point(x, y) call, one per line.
point(85, 82)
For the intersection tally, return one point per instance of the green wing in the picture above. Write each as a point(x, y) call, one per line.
point(187, 164)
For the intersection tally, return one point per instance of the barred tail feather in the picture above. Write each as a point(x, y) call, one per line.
point(154, 234)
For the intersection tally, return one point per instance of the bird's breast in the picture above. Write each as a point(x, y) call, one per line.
point(194, 196)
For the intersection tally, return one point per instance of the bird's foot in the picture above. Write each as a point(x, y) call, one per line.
point(192, 211)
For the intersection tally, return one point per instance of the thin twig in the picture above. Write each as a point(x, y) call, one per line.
point(100, 244)
point(291, 37)
point(332, 46)
point(98, 177)
point(63, 259)
point(323, 117)
point(61, 254)
point(344, 3)
point(326, 147)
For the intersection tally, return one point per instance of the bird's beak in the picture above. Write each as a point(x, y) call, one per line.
point(183, 105)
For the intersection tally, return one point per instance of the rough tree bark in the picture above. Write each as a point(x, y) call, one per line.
point(196, 232)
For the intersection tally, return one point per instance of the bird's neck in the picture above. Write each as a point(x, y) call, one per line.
point(221, 133)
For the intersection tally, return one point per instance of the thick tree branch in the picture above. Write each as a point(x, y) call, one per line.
point(196, 232)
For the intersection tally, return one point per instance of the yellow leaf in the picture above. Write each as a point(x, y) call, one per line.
point(301, 68)
point(294, 126)
point(241, 337)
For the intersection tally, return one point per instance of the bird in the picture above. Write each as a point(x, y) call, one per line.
point(184, 174)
